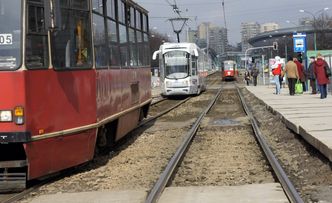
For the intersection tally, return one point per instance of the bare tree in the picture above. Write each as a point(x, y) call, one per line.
point(323, 25)
point(156, 40)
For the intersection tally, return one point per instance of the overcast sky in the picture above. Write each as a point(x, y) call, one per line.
point(237, 11)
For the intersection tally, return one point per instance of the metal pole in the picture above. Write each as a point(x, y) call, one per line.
point(178, 36)
point(286, 54)
point(263, 64)
point(315, 45)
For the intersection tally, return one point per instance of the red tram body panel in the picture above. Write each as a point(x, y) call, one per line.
point(62, 98)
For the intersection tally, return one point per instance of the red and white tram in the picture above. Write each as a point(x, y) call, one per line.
point(229, 70)
point(74, 75)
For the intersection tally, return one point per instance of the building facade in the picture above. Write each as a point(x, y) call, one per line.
point(267, 27)
point(248, 30)
point(218, 40)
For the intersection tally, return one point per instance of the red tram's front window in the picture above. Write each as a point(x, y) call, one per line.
point(10, 34)
point(229, 67)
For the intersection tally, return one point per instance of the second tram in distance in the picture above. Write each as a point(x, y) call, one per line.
point(229, 70)
point(183, 68)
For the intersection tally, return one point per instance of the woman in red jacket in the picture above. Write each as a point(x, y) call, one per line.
point(300, 70)
point(320, 73)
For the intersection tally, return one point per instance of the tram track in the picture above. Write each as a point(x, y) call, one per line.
point(161, 108)
point(172, 168)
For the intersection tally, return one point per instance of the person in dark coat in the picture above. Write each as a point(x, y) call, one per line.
point(320, 73)
point(300, 70)
point(311, 75)
point(254, 74)
point(247, 77)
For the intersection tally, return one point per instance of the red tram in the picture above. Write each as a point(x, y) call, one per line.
point(229, 70)
point(74, 76)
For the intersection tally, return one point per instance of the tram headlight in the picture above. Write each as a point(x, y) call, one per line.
point(19, 115)
point(6, 116)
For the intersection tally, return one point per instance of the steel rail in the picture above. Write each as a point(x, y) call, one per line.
point(287, 185)
point(147, 120)
point(157, 101)
point(160, 185)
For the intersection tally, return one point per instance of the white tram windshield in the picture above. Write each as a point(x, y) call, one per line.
point(176, 64)
point(10, 34)
point(229, 66)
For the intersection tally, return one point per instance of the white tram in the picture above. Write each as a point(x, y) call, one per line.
point(183, 68)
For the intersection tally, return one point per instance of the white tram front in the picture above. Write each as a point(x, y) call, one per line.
point(183, 68)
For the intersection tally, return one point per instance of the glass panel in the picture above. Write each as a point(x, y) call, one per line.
point(97, 6)
point(111, 8)
point(132, 37)
point(176, 64)
point(10, 34)
point(121, 11)
point(81, 4)
point(146, 38)
point(101, 48)
point(139, 37)
point(140, 56)
point(132, 17)
point(138, 20)
point(36, 41)
point(124, 56)
point(112, 31)
point(72, 45)
point(37, 52)
point(133, 55)
point(115, 56)
point(145, 23)
point(123, 33)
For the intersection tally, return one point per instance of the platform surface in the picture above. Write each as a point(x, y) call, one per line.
point(255, 193)
point(306, 114)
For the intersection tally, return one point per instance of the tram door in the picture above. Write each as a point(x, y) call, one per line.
point(194, 66)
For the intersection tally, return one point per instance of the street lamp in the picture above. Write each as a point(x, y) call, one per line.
point(177, 25)
point(314, 23)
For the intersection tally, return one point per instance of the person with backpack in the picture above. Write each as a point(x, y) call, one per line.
point(322, 72)
point(276, 71)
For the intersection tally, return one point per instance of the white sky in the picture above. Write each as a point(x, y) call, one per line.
point(237, 11)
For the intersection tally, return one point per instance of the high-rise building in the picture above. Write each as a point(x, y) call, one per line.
point(192, 35)
point(203, 29)
point(218, 40)
point(212, 36)
point(248, 30)
point(266, 27)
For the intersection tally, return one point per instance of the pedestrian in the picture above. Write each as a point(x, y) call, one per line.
point(247, 77)
point(292, 75)
point(300, 70)
point(320, 67)
point(311, 75)
point(276, 71)
point(254, 74)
